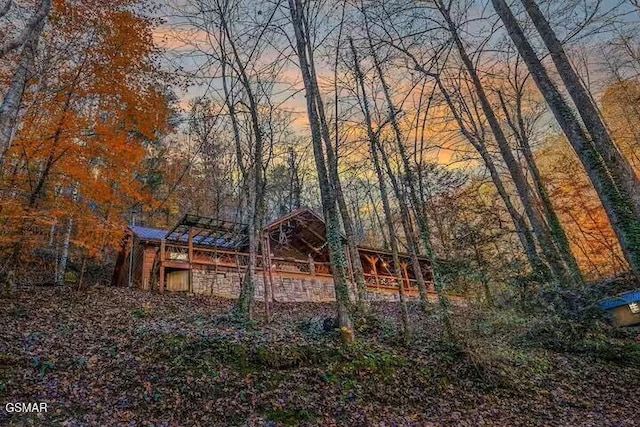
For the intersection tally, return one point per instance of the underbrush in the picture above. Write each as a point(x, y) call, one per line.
point(561, 319)
point(593, 338)
point(246, 355)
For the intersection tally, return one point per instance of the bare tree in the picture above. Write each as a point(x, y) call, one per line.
point(237, 70)
point(12, 100)
point(332, 160)
point(615, 199)
point(521, 129)
point(538, 224)
point(619, 167)
point(373, 147)
point(464, 111)
point(411, 187)
point(327, 189)
point(30, 31)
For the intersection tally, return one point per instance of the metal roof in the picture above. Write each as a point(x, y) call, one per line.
point(210, 232)
point(148, 233)
point(227, 241)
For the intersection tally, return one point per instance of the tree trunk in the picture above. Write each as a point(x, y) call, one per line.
point(424, 232)
point(10, 108)
point(537, 222)
point(526, 238)
point(619, 167)
point(376, 219)
point(615, 200)
point(30, 32)
point(64, 256)
point(373, 149)
point(347, 221)
point(539, 268)
point(393, 240)
point(327, 194)
point(557, 231)
point(83, 268)
point(244, 305)
point(5, 8)
point(407, 228)
point(332, 160)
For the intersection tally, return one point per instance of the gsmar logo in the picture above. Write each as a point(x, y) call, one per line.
point(22, 407)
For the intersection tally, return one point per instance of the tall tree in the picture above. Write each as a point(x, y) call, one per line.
point(386, 206)
point(538, 224)
point(238, 75)
point(517, 124)
point(618, 166)
point(411, 186)
point(327, 191)
point(332, 163)
point(256, 184)
point(616, 200)
point(475, 135)
point(12, 100)
point(86, 128)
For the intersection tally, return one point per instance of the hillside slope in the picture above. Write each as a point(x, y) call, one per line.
point(122, 357)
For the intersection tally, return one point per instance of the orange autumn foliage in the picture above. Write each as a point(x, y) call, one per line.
point(580, 211)
point(621, 110)
point(591, 236)
point(90, 113)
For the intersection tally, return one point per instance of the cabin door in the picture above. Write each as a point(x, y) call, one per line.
point(178, 281)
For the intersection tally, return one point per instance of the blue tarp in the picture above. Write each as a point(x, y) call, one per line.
point(622, 299)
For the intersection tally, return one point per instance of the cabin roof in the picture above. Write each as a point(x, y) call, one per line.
point(207, 231)
point(302, 229)
point(157, 234)
point(148, 233)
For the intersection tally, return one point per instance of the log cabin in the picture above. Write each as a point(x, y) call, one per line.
point(209, 256)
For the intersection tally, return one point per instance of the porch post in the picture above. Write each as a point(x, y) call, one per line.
point(373, 261)
point(264, 278)
point(161, 278)
point(190, 243)
point(405, 273)
point(268, 241)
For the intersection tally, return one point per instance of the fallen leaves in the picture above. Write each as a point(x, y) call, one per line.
point(182, 361)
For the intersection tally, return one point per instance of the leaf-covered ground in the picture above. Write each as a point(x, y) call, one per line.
point(125, 358)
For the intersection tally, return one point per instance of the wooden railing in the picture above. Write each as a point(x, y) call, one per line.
point(178, 255)
point(225, 258)
point(390, 283)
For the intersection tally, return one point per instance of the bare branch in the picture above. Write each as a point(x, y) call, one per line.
point(5, 9)
point(28, 31)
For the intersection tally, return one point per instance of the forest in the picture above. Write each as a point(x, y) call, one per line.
point(497, 141)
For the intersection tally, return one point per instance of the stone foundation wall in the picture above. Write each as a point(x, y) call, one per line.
point(286, 288)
